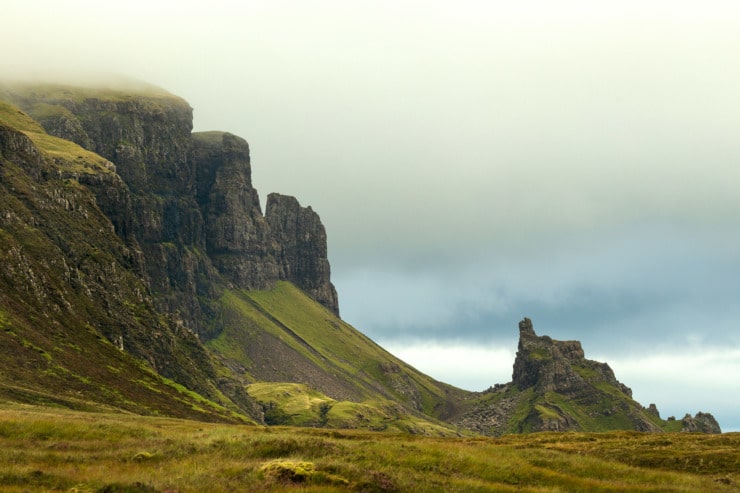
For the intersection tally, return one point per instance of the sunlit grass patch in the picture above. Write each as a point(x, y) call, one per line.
point(70, 156)
point(67, 155)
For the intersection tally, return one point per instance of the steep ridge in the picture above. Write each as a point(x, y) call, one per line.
point(555, 388)
point(201, 258)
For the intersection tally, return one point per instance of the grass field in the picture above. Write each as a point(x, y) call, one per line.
point(45, 449)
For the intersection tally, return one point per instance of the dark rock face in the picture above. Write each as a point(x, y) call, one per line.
point(551, 365)
point(653, 409)
point(301, 248)
point(237, 236)
point(148, 140)
point(17, 146)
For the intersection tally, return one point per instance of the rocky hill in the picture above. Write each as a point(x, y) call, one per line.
point(555, 388)
point(139, 273)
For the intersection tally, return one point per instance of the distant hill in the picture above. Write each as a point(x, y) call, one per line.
point(138, 273)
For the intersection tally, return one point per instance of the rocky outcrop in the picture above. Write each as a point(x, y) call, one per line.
point(17, 146)
point(555, 388)
point(59, 121)
point(700, 423)
point(300, 239)
point(251, 250)
point(237, 236)
point(557, 366)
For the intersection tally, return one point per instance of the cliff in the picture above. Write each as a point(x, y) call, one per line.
point(149, 246)
point(555, 388)
point(301, 248)
point(77, 319)
point(188, 205)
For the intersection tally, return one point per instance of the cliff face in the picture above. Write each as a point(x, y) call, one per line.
point(254, 251)
point(148, 137)
point(237, 237)
point(72, 307)
point(300, 239)
point(188, 208)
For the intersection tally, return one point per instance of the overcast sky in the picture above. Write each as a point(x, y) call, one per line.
point(575, 162)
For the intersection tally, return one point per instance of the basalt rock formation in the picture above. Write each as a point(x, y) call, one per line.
point(301, 248)
point(555, 388)
point(701, 423)
point(188, 204)
point(548, 365)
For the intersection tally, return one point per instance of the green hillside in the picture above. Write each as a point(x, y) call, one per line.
point(282, 335)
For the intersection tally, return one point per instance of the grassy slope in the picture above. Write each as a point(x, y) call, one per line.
point(73, 451)
point(320, 349)
point(67, 155)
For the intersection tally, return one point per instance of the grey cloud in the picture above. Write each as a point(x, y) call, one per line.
point(646, 287)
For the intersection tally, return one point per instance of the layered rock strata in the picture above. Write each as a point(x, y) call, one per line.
point(188, 208)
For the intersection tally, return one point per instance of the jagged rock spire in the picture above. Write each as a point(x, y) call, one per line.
point(526, 328)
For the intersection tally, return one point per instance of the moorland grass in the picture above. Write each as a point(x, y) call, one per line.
point(58, 450)
point(324, 342)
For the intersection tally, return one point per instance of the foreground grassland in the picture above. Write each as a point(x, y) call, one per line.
point(44, 449)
